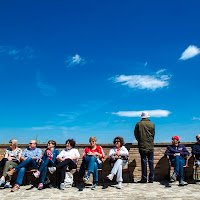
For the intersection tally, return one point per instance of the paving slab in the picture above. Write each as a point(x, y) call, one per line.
point(131, 191)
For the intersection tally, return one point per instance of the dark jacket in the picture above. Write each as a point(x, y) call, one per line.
point(144, 134)
point(171, 150)
point(196, 150)
point(55, 154)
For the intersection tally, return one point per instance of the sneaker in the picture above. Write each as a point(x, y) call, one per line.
point(181, 183)
point(11, 172)
point(52, 169)
point(94, 187)
point(36, 174)
point(119, 185)
point(40, 186)
point(110, 177)
point(62, 186)
point(86, 178)
point(2, 181)
point(7, 185)
point(15, 188)
point(174, 176)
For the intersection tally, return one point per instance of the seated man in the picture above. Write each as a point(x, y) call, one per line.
point(176, 153)
point(28, 158)
point(196, 150)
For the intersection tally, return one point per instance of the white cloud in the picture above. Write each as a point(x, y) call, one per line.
point(43, 128)
point(195, 118)
point(160, 71)
point(75, 60)
point(152, 113)
point(17, 54)
point(151, 82)
point(190, 52)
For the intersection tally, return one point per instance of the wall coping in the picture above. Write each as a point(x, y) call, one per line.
point(128, 145)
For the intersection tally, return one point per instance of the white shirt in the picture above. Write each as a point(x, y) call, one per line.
point(123, 151)
point(69, 154)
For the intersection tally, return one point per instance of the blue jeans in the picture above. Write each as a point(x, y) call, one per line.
point(28, 164)
point(178, 162)
point(90, 163)
point(150, 157)
point(43, 168)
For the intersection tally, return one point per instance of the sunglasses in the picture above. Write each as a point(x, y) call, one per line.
point(50, 143)
point(93, 141)
point(31, 143)
point(10, 142)
point(117, 141)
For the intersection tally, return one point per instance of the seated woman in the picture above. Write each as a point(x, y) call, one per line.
point(11, 160)
point(67, 158)
point(176, 153)
point(92, 160)
point(119, 156)
point(48, 160)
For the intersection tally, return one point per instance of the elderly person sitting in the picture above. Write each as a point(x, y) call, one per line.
point(67, 158)
point(119, 156)
point(11, 159)
point(29, 159)
point(176, 153)
point(92, 160)
point(196, 150)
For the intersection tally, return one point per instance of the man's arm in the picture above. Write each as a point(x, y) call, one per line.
point(136, 132)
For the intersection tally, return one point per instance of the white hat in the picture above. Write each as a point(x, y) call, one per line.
point(144, 115)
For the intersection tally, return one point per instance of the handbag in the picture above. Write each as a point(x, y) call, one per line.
point(69, 179)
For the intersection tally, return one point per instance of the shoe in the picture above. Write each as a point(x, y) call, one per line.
point(40, 186)
point(94, 187)
point(142, 181)
point(110, 177)
point(36, 174)
point(86, 178)
point(15, 188)
point(181, 183)
point(7, 185)
point(62, 186)
point(2, 181)
point(119, 185)
point(150, 181)
point(11, 172)
point(52, 169)
point(174, 176)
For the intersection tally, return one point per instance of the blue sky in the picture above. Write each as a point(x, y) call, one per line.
point(75, 69)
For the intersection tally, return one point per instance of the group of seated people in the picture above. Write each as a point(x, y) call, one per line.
point(16, 161)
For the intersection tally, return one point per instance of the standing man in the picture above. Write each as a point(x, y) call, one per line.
point(28, 159)
point(144, 134)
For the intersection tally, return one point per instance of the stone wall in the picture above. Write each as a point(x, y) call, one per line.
point(160, 162)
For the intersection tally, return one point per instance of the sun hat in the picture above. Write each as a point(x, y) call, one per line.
point(145, 115)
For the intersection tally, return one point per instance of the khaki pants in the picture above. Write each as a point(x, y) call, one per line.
point(9, 165)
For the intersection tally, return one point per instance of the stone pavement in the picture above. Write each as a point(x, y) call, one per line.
point(131, 191)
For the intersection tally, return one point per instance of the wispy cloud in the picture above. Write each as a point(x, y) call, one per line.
point(17, 54)
point(151, 82)
point(190, 52)
point(45, 89)
point(43, 128)
point(75, 60)
point(152, 113)
point(196, 118)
